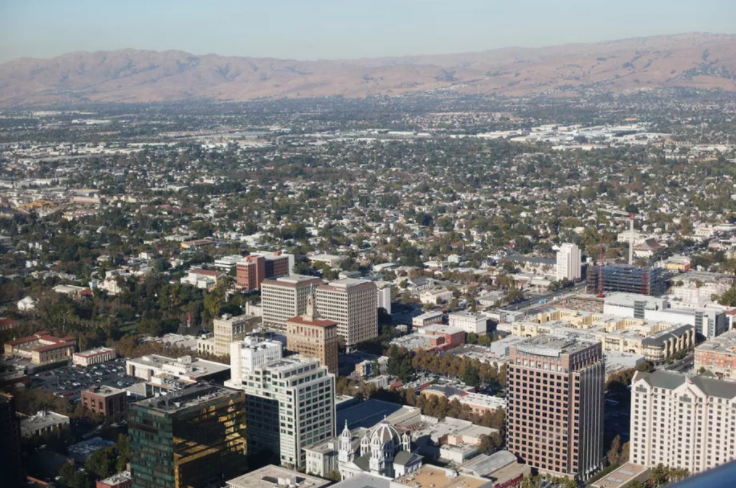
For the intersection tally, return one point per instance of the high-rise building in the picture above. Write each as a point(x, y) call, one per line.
point(194, 437)
point(627, 279)
point(555, 405)
point(568, 262)
point(313, 337)
point(284, 298)
point(681, 421)
point(230, 328)
point(253, 269)
point(10, 460)
point(290, 403)
point(248, 354)
point(353, 305)
point(384, 297)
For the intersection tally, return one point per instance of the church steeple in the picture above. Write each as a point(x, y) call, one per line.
point(311, 314)
point(345, 454)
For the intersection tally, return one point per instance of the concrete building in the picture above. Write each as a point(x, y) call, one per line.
point(479, 403)
point(42, 348)
point(436, 477)
point(93, 356)
point(193, 437)
point(627, 279)
point(205, 279)
point(555, 405)
point(426, 319)
point(185, 367)
point(681, 421)
point(501, 467)
point(437, 337)
point(284, 298)
point(707, 322)
point(718, 355)
point(122, 479)
point(313, 337)
point(42, 423)
point(276, 477)
point(568, 262)
point(247, 355)
point(352, 304)
point(111, 402)
point(229, 328)
point(384, 297)
point(475, 323)
point(290, 403)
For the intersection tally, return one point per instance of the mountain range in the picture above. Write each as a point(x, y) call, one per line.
point(695, 60)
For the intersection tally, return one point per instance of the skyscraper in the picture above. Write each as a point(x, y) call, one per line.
point(290, 403)
point(194, 437)
point(555, 405)
point(353, 304)
point(229, 329)
point(568, 262)
point(10, 460)
point(248, 354)
point(284, 298)
point(313, 337)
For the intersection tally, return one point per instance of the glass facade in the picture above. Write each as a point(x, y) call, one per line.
point(627, 279)
point(188, 442)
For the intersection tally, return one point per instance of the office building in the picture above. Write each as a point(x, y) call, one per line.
point(627, 279)
point(555, 405)
point(93, 356)
point(252, 270)
point(185, 368)
point(352, 304)
point(426, 319)
point(274, 477)
point(718, 355)
point(42, 348)
point(43, 423)
point(229, 328)
point(708, 322)
point(313, 337)
point(194, 437)
point(568, 262)
point(248, 354)
point(284, 298)
point(10, 451)
point(682, 421)
point(384, 297)
point(475, 323)
point(110, 402)
point(290, 403)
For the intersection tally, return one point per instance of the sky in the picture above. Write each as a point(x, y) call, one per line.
point(341, 29)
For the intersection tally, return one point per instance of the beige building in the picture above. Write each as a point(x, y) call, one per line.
point(230, 329)
point(555, 405)
point(41, 348)
point(284, 298)
point(313, 337)
point(353, 304)
point(656, 341)
point(681, 421)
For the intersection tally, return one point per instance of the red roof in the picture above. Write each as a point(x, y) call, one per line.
point(318, 323)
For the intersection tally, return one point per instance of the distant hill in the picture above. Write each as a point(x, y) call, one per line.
point(686, 60)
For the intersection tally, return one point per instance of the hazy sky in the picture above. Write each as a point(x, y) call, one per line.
point(311, 29)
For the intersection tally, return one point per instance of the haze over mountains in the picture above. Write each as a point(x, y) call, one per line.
point(688, 60)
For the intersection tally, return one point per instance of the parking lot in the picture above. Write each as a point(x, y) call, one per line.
point(69, 381)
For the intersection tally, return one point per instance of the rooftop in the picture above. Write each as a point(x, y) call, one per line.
point(671, 380)
point(369, 413)
point(185, 365)
point(364, 480)
point(724, 344)
point(105, 391)
point(276, 477)
point(434, 477)
point(117, 478)
point(484, 464)
point(293, 279)
point(193, 396)
point(545, 345)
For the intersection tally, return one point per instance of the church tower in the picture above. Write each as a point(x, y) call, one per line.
point(345, 454)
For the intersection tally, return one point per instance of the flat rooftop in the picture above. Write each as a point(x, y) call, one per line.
point(295, 278)
point(195, 367)
point(193, 396)
point(545, 345)
point(724, 344)
point(275, 477)
point(348, 282)
point(369, 413)
point(622, 476)
point(364, 480)
point(433, 477)
point(484, 464)
point(105, 391)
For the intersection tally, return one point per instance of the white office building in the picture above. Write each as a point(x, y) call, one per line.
point(475, 323)
point(384, 297)
point(352, 304)
point(568, 262)
point(290, 404)
point(284, 298)
point(249, 354)
point(680, 421)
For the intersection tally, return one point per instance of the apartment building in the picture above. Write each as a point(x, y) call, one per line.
point(353, 305)
point(284, 298)
point(229, 328)
point(568, 262)
point(290, 403)
point(555, 405)
point(313, 337)
point(682, 421)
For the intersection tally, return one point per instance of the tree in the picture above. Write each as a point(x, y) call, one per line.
point(74, 478)
point(471, 376)
point(614, 453)
point(334, 476)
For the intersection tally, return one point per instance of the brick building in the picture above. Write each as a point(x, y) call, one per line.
point(110, 402)
point(313, 337)
point(718, 355)
point(254, 269)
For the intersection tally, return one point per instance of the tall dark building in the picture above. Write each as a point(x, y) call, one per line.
point(555, 405)
point(11, 466)
point(194, 437)
point(627, 279)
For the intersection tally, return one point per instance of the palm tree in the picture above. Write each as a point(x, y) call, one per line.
point(659, 475)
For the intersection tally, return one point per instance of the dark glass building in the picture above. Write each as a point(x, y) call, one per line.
point(192, 438)
point(10, 461)
point(627, 279)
